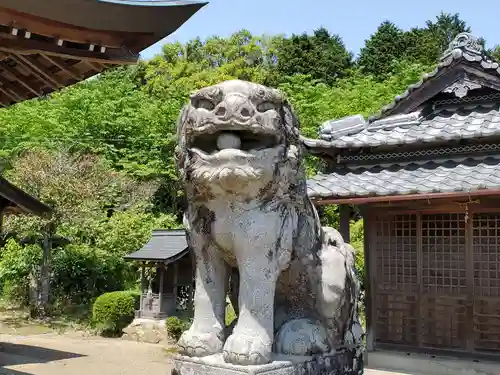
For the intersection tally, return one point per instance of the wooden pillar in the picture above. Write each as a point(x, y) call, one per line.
point(143, 278)
point(469, 277)
point(160, 287)
point(176, 277)
point(345, 218)
point(369, 285)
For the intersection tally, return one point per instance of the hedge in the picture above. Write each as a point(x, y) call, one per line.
point(114, 311)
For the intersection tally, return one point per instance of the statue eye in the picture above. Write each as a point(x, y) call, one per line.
point(203, 103)
point(266, 106)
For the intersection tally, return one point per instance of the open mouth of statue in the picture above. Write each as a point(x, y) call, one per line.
point(243, 140)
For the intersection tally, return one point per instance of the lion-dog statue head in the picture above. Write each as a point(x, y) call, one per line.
point(239, 140)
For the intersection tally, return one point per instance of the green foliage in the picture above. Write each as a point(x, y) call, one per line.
point(389, 44)
point(18, 266)
point(357, 242)
point(114, 311)
point(230, 314)
point(101, 214)
point(321, 55)
point(176, 326)
point(381, 50)
point(102, 151)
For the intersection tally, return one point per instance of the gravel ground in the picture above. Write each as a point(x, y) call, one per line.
point(53, 354)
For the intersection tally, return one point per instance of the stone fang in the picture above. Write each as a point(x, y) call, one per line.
point(228, 140)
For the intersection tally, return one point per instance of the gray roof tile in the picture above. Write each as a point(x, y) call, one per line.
point(446, 123)
point(163, 245)
point(383, 129)
point(437, 176)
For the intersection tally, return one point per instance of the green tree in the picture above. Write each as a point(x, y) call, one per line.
point(426, 45)
point(103, 214)
point(321, 55)
point(382, 50)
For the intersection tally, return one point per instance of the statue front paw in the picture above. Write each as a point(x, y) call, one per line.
point(200, 344)
point(247, 350)
point(302, 337)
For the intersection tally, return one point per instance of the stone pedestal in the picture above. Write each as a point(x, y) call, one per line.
point(347, 362)
point(147, 330)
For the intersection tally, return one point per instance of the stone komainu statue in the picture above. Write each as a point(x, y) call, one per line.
point(240, 156)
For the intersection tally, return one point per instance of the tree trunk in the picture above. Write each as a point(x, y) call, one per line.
point(42, 283)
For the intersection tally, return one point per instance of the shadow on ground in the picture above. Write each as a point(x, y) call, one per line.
point(18, 354)
point(6, 371)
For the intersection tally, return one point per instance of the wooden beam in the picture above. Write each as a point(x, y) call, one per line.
point(406, 197)
point(94, 66)
point(8, 89)
point(143, 272)
point(39, 71)
point(470, 333)
point(33, 47)
point(176, 280)
point(345, 218)
point(61, 64)
point(42, 26)
point(420, 298)
point(13, 97)
point(369, 281)
point(160, 289)
point(5, 67)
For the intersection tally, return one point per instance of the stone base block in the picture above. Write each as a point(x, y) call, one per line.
point(147, 330)
point(348, 362)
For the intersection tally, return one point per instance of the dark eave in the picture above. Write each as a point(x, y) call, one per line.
point(47, 45)
point(135, 24)
point(22, 202)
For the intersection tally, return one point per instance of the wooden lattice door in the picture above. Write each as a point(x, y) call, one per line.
point(486, 283)
point(444, 299)
point(436, 281)
point(396, 279)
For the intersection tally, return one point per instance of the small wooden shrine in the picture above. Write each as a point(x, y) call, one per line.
point(425, 173)
point(167, 282)
point(46, 45)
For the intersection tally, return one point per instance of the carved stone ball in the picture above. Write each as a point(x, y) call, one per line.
point(228, 140)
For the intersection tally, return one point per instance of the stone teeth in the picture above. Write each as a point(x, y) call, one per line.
point(228, 140)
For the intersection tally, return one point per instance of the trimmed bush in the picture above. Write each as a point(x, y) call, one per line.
point(112, 312)
point(175, 327)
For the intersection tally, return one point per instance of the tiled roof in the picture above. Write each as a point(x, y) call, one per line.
point(437, 176)
point(443, 124)
point(386, 129)
point(163, 245)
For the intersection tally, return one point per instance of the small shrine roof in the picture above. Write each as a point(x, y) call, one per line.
point(164, 246)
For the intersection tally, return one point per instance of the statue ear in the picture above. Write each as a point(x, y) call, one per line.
point(290, 122)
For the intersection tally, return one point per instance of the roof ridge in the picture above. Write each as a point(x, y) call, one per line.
point(464, 46)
